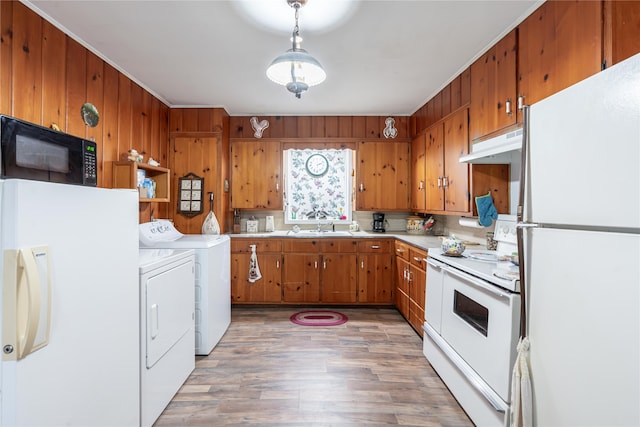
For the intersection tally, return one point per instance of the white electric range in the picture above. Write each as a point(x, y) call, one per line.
point(473, 323)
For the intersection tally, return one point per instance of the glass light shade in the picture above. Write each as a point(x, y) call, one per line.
point(307, 69)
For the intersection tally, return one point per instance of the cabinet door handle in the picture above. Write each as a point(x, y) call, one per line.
point(375, 246)
point(401, 251)
point(439, 182)
point(315, 265)
point(420, 185)
point(277, 187)
point(361, 265)
point(278, 263)
point(507, 106)
point(520, 102)
point(361, 187)
point(445, 182)
point(324, 264)
point(417, 258)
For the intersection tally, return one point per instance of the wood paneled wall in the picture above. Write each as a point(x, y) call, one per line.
point(46, 77)
point(361, 127)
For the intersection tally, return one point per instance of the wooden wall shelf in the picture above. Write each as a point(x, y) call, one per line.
point(125, 175)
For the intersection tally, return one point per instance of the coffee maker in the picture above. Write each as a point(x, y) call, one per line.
point(378, 222)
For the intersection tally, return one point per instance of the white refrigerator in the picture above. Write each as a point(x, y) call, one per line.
point(70, 305)
point(581, 225)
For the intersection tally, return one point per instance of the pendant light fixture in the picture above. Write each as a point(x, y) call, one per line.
point(296, 69)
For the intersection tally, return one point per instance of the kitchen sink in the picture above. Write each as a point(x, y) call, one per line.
point(316, 233)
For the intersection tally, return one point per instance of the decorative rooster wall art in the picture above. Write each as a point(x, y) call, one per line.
point(258, 126)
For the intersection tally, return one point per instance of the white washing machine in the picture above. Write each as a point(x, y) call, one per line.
point(167, 280)
point(213, 283)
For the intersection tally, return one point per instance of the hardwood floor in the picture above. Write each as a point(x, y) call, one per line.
point(267, 371)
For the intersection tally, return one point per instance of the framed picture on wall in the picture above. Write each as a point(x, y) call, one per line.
point(190, 195)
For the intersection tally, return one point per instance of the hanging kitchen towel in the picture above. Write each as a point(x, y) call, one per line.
point(254, 268)
point(521, 396)
point(486, 211)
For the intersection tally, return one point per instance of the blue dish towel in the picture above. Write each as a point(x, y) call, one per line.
point(486, 211)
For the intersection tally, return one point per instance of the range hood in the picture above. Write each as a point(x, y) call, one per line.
point(503, 149)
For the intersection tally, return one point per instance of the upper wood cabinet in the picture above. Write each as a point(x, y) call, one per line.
point(434, 168)
point(493, 88)
point(256, 175)
point(622, 25)
point(559, 44)
point(456, 145)
point(383, 175)
point(447, 180)
point(418, 173)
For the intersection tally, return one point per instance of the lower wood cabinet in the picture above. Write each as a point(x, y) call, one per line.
point(411, 283)
point(338, 283)
point(301, 278)
point(375, 272)
point(269, 288)
point(313, 271)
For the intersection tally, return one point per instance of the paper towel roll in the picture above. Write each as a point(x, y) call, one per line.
point(469, 222)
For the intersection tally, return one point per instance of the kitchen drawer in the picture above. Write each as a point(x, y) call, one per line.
point(402, 250)
point(338, 245)
point(418, 258)
point(242, 245)
point(301, 245)
point(374, 246)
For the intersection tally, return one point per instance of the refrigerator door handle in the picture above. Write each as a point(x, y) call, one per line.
point(527, 225)
point(26, 302)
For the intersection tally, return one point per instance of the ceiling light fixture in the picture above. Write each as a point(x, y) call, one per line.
point(296, 69)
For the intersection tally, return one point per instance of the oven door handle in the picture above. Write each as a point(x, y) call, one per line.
point(478, 283)
point(435, 264)
point(476, 381)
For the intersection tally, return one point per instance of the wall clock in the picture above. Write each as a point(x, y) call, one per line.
point(317, 165)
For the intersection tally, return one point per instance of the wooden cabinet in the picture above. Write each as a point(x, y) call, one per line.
point(268, 289)
point(410, 283)
point(560, 44)
point(493, 88)
point(125, 175)
point(622, 22)
point(301, 271)
point(256, 175)
point(313, 271)
point(402, 279)
point(207, 156)
point(434, 164)
point(375, 271)
point(319, 271)
point(383, 175)
point(417, 287)
point(338, 275)
point(418, 173)
point(447, 180)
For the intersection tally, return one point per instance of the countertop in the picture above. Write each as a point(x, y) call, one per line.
point(421, 241)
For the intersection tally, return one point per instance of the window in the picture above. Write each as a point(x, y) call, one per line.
point(318, 185)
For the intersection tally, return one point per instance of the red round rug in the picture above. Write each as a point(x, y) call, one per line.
point(318, 318)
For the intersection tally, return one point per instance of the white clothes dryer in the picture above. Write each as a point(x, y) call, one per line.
point(212, 278)
point(167, 279)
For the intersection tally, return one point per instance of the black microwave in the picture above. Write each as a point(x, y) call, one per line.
point(34, 152)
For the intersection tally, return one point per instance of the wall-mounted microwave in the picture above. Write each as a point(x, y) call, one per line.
point(29, 151)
